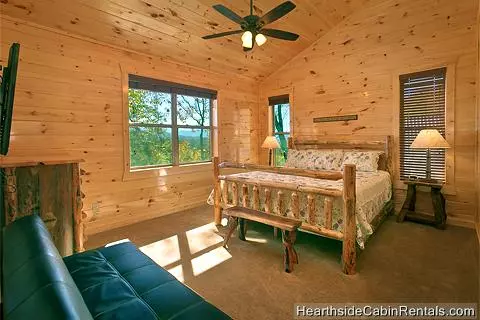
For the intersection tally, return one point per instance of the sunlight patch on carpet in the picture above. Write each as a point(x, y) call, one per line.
point(163, 252)
point(209, 260)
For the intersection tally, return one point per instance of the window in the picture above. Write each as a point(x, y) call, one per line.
point(169, 123)
point(422, 106)
point(281, 127)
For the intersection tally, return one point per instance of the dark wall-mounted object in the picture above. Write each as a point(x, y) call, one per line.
point(336, 118)
point(7, 93)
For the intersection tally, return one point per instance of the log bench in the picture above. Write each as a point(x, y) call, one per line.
point(289, 226)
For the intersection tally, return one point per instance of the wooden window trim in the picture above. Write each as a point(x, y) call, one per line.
point(163, 170)
point(450, 80)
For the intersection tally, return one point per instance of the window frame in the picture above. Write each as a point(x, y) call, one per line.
point(409, 106)
point(273, 133)
point(142, 172)
point(450, 80)
point(174, 126)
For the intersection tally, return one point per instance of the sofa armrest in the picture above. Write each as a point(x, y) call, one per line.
point(36, 282)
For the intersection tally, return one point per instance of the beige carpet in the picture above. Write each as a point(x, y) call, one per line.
point(405, 262)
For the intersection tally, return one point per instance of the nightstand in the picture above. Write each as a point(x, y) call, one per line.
point(438, 201)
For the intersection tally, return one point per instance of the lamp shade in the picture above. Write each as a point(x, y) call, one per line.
point(260, 39)
point(270, 143)
point(247, 39)
point(429, 138)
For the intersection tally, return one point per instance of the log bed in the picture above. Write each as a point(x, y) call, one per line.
point(348, 194)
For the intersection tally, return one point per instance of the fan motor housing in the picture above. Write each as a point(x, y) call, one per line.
point(252, 23)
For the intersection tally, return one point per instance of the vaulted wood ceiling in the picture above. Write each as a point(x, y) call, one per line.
point(173, 28)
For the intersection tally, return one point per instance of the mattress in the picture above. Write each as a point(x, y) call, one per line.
point(373, 191)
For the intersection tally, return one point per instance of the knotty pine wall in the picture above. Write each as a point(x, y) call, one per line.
point(477, 173)
point(351, 70)
point(69, 100)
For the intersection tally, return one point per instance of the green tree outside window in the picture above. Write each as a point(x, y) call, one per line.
point(155, 123)
point(281, 131)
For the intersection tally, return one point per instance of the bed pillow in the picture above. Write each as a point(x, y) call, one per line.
point(315, 159)
point(366, 161)
point(300, 159)
point(328, 159)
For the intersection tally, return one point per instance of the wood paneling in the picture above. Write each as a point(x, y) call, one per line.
point(172, 29)
point(69, 101)
point(69, 93)
point(51, 191)
point(352, 69)
point(477, 124)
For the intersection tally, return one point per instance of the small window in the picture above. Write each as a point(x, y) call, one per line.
point(281, 127)
point(422, 106)
point(169, 123)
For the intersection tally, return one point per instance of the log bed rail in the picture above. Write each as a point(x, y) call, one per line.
point(347, 236)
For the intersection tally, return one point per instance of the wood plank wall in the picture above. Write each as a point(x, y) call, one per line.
point(351, 70)
point(69, 99)
point(477, 174)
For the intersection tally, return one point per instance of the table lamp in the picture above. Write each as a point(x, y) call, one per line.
point(270, 143)
point(429, 139)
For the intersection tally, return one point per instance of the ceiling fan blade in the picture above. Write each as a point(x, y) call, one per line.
point(277, 12)
point(222, 34)
point(228, 13)
point(279, 34)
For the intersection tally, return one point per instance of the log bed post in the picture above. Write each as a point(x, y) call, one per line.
point(242, 222)
point(311, 208)
point(234, 194)
point(281, 203)
point(295, 205)
point(225, 193)
point(217, 210)
point(268, 197)
point(256, 198)
point(327, 212)
point(349, 226)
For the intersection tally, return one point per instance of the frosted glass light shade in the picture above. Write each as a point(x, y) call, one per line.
point(270, 143)
point(260, 39)
point(429, 138)
point(247, 39)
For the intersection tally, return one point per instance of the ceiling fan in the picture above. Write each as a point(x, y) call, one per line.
point(252, 25)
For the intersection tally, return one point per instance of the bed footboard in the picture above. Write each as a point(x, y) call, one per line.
point(348, 236)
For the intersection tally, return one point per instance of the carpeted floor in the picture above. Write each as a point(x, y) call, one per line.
point(405, 262)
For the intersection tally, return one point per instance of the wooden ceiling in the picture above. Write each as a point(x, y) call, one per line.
point(172, 29)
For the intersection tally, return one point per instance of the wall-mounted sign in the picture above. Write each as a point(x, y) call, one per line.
point(336, 118)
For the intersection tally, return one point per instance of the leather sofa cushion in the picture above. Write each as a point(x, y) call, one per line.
point(36, 283)
point(120, 282)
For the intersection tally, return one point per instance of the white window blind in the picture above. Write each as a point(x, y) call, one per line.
point(422, 106)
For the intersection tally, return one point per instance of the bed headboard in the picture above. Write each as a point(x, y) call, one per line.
point(385, 162)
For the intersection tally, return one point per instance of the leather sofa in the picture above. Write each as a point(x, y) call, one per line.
point(116, 282)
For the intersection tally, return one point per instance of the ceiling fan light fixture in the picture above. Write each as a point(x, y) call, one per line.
point(252, 26)
point(260, 39)
point(247, 39)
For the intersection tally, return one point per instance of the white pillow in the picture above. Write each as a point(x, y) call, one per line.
point(363, 160)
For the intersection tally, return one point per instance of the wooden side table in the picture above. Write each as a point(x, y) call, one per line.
point(408, 209)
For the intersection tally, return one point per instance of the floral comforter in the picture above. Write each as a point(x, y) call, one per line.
point(373, 190)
